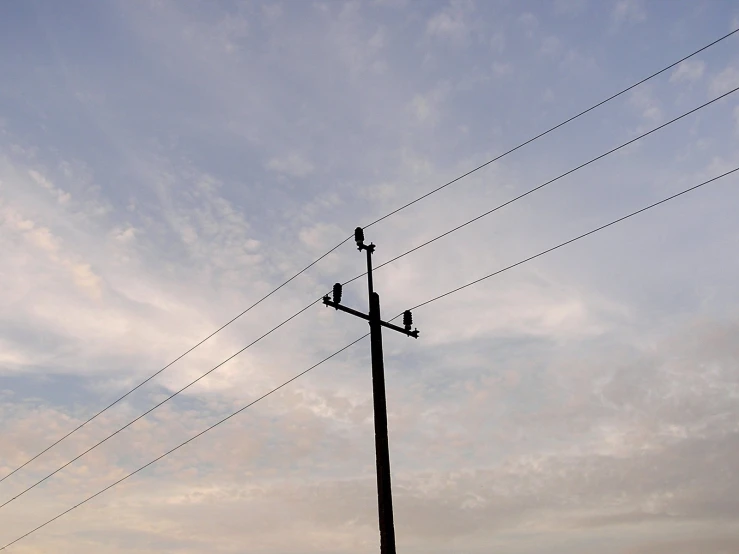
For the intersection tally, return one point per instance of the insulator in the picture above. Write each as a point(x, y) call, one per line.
point(337, 293)
point(359, 235)
point(407, 319)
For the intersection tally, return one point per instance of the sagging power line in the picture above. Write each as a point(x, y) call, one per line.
point(404, 206)
point(425, 303)
point(416, 248)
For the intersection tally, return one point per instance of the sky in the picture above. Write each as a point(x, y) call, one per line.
point(166, 164)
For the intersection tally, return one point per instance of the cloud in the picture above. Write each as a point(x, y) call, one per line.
point(445, 25)
point(529, 22)
point(451, 22)
point(725, 81)
point(40, 237)
point(589, 395)
point(688, 71)
point(629, 11)
point(570, 7)
point(421, 108)
point(62, 196)
point(396, 4)
point(498, 41)
point(87, 279)
point(719, 545)
point(551, 46)
point(320, 237)
point(500, 69)
point(294, 165)
point(625, 472)
point(272, 11)
point(426, 108)
point(125, 235)
point(644, 100)
point(85, 276)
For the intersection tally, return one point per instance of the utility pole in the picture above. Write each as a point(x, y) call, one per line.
point(382, 450)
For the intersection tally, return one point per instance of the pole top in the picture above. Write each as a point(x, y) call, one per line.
point(359, 239)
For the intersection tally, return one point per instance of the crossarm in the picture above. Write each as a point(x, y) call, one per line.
point(343, 308)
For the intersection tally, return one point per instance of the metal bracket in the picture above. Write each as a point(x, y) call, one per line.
point(331, 304)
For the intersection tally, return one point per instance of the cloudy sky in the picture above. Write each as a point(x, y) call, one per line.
point(165, 164)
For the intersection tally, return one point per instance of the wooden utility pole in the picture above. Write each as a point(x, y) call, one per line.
point(382, 450)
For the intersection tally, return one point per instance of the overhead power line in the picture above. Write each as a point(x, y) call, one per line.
point(425, 303)
point(306, 268)
point(147, 412)
point(446, 233)
point(565, 174)
point(560, 245)
point(168, 452)
point(540, 135)
point(142, 383)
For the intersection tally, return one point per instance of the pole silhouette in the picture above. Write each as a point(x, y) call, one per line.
point(382, 449)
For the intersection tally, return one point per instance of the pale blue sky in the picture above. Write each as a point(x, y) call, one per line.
point(165, 164)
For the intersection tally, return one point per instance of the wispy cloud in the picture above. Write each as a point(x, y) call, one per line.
point(725, 81)
point(294, 165)
point(160, 178)
point(452, 23)
point(629, 11)
point(688, 71)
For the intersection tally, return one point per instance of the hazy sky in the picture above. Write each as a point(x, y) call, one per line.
point(164, 164)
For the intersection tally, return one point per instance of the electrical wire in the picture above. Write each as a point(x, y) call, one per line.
point(549, 182)
point(425, 303)
point(540, 135)
point(446, 233)
point(201, 433)
point(142, 383)
point(560, 245)
point(265, 297)
point(147, 412)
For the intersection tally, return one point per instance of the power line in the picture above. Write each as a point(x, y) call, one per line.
point(265, 297)
point(142, 383)
point(168, 452)
point(425, 303)
point(560, 245)
point(446, 233)
point(565, 122)
point(170, 397)
point(569, 172)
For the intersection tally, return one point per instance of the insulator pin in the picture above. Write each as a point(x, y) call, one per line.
point(359, 235)
point(407, 320)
